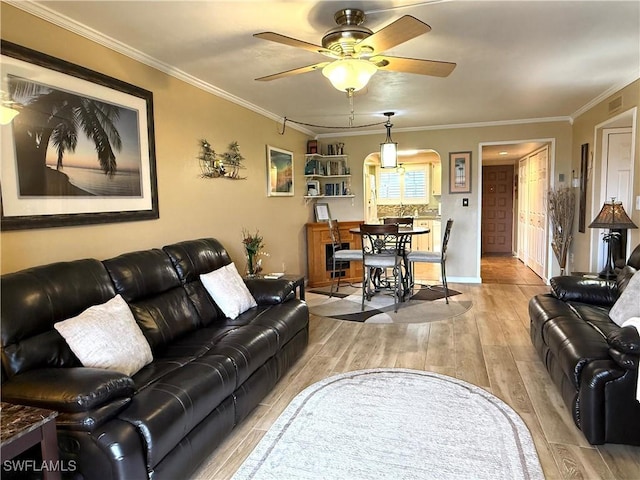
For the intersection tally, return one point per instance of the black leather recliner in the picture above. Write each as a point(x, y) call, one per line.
point(592, 361)
point(208, 371)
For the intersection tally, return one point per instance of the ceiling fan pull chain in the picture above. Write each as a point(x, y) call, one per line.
point(352, 116)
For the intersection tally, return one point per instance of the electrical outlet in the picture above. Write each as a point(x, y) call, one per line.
point(571, 258)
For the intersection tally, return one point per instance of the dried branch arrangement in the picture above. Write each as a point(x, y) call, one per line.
point(562, 208)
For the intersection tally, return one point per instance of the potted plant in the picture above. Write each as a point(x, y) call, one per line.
point(561, 208)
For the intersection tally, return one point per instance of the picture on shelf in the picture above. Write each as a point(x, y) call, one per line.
point(313, 188)
point(322, 212)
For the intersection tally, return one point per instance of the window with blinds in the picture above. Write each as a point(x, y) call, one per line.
point(410, 186)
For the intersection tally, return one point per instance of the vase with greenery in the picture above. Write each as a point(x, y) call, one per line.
point(561, 207)
point(253, 245)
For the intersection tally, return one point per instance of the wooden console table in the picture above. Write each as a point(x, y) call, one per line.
point(319, 253)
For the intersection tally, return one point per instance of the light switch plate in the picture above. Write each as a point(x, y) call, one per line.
point(465, 202)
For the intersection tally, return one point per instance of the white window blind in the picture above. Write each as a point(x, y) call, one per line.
point(389, 186)
point(411, 186)
point(415, 184)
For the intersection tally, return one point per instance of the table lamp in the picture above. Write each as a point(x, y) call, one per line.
point(613, 217)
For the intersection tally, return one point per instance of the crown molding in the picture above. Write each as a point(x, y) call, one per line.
point(604, 95)
point(89, 33)
point(453, 126)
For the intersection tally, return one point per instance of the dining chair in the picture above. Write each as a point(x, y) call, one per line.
point(436, 257)
point(381, 250)
point(340, 256)
point(403, 222)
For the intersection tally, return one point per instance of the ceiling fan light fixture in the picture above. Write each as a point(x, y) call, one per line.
point(349, 74)
point(389, 149)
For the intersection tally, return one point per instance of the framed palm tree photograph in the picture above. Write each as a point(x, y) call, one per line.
point(77, 146)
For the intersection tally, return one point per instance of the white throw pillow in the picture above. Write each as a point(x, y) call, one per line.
point(228, 290)
point(107, 336)
point(628, 303)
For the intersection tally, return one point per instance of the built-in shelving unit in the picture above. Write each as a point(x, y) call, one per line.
point(327, 176)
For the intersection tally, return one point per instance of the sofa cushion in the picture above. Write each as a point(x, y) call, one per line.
point(191, 259)
point(628, 304)
point(34, 299)
point(107, 336)
point(168, 409)
point(227, 289)
point(150, 284)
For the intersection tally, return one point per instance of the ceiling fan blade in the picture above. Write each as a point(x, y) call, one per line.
point(414, 65)
point(295, 71)
point(400, 31)
point(293, 42)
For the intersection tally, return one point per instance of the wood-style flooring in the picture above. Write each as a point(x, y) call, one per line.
point(488, 346)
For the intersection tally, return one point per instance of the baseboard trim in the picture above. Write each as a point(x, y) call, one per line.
point(464, 279)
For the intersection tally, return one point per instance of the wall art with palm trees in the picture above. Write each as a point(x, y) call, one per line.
point(80, 151)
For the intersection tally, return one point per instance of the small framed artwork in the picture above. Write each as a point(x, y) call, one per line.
point(460, 172)
point(279, 172)
point(81, 149)
point(322, 212)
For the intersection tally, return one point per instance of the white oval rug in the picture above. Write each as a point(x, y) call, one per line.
point(394, 424)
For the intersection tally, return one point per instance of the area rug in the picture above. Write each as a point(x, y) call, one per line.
point(394, 424)
point(426, 305)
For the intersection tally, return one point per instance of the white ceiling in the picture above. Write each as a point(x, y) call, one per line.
point(516, 60)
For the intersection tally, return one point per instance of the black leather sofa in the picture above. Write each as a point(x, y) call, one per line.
point(208, 371)
point(592, 361)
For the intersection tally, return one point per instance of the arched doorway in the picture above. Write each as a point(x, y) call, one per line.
point(401, 193)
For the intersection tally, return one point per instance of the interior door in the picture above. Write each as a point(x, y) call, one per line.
point(617, 175)
point(497, 209)
point(522, 210)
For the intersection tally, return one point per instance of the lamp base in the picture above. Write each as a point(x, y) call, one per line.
point(607, 274)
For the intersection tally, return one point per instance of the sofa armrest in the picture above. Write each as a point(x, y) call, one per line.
point(594, 291)
point(270, 291)
point(67, 389)
point(624, 347)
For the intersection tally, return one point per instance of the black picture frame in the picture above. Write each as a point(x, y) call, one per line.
point(584, 168)
point(31, 196)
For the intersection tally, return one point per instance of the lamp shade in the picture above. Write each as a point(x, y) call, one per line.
point(349, 73)
point(612, 216)
point(388, 155)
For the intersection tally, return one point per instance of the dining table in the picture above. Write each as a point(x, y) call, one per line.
point(405, 239)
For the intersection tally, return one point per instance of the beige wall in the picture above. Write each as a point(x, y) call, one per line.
point(463, 259)
point(584, 131)
point(190, 207)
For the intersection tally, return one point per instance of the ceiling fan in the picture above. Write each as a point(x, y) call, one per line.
point(357, 51)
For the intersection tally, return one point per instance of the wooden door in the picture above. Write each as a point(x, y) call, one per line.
point(497, 209)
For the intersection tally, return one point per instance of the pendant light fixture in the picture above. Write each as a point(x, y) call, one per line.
point(389, 149)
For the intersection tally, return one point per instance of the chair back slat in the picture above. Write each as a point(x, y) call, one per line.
point(447, 234)
point(380, 239)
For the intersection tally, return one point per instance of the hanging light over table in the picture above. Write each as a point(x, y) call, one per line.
point(389, 149)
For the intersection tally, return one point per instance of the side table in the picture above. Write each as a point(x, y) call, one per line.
point(21, 427)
